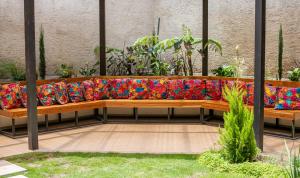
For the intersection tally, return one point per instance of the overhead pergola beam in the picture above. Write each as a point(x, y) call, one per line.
point(205, 37)
point(32, 123)
point(102, 37)
point(259, 76)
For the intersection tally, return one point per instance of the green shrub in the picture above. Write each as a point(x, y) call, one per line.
point(14, 71)
point(88, 70)
point(65, 71)
point(225, 71)
point(280, 53)
point(294, 75)
point(42, 64)
point(293, 170)
point(216, 162)
point(237, 138)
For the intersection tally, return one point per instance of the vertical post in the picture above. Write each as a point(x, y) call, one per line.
point(32, 123)
point(102, 37)
point(205, 37)
point(259, 80)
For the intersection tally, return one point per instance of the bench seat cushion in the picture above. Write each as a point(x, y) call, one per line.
point(234, 83)
point(75, 91)
point(23, 95)
point(176, 89)
point(46, 94)
point(194, 89)
point(158, 89)
point(88, 90)
point(213, 90)
point(101, 89)
point(119, 89)
point(138, 89)
point(10, 96)
point(270, 96)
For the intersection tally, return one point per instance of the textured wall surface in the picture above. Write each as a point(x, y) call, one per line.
point(71, 27)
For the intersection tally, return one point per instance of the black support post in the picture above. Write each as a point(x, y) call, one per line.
point(102, 37)
point(259, 80)
point(205, 38)
point(32, 123)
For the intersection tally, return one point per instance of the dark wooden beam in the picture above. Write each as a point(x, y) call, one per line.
point(102, 37)
point(260, 28)
point(205, 37)
point(31, 74)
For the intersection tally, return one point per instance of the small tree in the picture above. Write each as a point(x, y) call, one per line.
point(42, 64)
point(280, 53)
point(237, 138)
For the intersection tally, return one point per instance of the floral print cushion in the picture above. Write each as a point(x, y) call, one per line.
point(158, 89)
point(288, 99)
point(10, 96)
point(138, 89)
point(46, 94)
point(75, 90)
point(213, 90)
point(23, 95)
point(176, 89)
point(194, 89)
point(61, 92)
point(270, 96)
point(119, 88)
point(88, 86)
point(101, 89)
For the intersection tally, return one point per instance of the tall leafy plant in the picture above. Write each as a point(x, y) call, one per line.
point(280, 53)
point(42, 64)
point(237, 138)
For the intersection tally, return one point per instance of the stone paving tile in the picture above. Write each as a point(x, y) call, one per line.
point(7, 168)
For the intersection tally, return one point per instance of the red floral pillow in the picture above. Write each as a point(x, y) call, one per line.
point(88, 86)
point(75, 90)
point(213, 90)
point(119, 89)
point(234, 83)
point(138, 89)
point(288, 99)
point(61, 92)
point(270, 95)
point(101, 89)
point(176, 89)
point(158, 89)
point(46, 94)
point(10, 96)
point(23, 95)
point(194, 89)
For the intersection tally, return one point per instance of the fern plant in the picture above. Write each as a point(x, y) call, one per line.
point(237, 138)
point(42, 64)
point(294, 75)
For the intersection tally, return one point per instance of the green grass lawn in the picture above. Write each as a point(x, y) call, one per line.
point(112, 165)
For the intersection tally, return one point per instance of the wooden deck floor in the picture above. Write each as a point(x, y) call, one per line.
point(133, 138)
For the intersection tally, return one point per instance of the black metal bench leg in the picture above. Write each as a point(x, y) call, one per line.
point(173, 112)
point(46, 121)
point(135, 113)
point(76, 118)
point(277, 122)
point(202, 115)
point(96, 114)
point(293, 129)
point(169, 114)
point(105, 115)
point(59, 117)
point(13, 127)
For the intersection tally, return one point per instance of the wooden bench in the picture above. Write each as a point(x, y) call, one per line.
point(135, 104)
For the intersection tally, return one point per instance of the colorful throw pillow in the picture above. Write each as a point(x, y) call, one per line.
point(288, 99)
point(270, 96)
point(23, 95)
point(61, 92)
point(75, 90)
point(176, 89)
point(101, 89)
point(138, 89)
point(10, 96)
point(194, 89)
point(46, 94)
point(88, 86)
point(234, 83)
point(119, 89)
point(158, 89)
point(213, 90)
